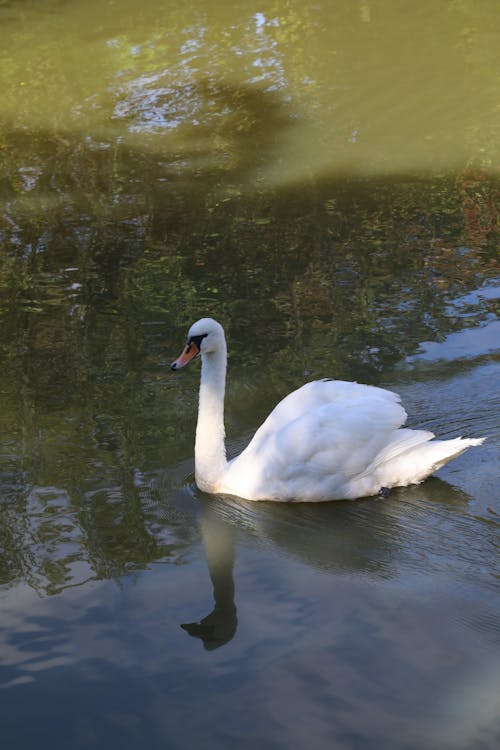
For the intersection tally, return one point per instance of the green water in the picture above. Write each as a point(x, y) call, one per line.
point(322, 178)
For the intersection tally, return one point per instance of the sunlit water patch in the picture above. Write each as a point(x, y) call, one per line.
point(358, 84)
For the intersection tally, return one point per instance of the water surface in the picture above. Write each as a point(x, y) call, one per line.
point(323, 179)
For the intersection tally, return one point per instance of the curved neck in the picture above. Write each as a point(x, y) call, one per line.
point(210, 451)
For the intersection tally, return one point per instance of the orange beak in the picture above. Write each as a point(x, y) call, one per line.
point(188, 353)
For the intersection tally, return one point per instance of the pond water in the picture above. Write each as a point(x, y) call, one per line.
point(322, 178)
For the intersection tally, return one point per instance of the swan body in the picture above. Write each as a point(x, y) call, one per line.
point(328, 440)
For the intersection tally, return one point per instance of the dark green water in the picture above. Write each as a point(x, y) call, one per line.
point(323, 179)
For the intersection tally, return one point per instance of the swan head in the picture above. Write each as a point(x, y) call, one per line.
point(204, 336)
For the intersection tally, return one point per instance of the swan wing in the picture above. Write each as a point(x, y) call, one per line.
point(317, 440)
point(343, 394)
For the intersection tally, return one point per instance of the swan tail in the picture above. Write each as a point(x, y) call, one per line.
point(447, 450)
point(411, 459)
point(403, 441)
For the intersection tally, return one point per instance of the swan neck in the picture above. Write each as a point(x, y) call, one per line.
point(210, 451)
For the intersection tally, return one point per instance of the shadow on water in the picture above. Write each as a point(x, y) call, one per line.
point(152, 229)
point(231, 132)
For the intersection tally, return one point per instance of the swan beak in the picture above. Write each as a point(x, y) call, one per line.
point(189, 352)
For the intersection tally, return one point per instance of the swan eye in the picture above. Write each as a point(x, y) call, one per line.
point(196, 340)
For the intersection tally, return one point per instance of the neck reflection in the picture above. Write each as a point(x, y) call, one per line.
point(219, 626)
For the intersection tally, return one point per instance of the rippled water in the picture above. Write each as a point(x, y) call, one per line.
point(322, 178)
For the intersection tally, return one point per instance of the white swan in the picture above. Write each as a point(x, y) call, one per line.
point(328, 440)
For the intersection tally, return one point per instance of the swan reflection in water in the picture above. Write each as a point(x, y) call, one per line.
point(218, 627)
point(367, 536)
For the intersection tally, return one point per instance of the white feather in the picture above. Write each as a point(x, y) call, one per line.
point(328, 440)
